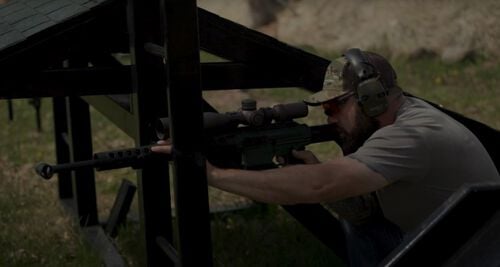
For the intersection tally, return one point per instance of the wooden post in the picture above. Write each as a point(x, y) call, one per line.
point(182, 50)
point(150, 103)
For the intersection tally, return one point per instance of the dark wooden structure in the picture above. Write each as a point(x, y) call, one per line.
point(64, 49)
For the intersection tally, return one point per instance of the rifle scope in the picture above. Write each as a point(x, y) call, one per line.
point(248, 115)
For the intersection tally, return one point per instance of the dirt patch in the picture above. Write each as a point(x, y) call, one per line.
point(450, 29)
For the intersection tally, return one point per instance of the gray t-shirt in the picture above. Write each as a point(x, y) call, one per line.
point(426, 156)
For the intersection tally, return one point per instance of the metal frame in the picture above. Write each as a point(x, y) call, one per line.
point(463, 231)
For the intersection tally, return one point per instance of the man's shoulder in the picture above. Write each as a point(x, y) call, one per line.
point(418, 112)
point(419, 124)
point(414, 119)
point(424, 125)
point(422, 117)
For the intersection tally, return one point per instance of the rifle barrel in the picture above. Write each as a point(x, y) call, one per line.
point(46, 171)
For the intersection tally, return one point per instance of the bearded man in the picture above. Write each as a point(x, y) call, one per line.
point(409, 156)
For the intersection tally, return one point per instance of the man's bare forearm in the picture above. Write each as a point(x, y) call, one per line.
point(288, 185)
point(312, 183)
point(306, 183)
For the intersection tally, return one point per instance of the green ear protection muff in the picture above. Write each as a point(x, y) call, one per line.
point(370, 92)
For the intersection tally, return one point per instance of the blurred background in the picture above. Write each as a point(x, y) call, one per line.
point(450, 30)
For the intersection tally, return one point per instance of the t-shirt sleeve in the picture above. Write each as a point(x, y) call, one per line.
point(395, 153)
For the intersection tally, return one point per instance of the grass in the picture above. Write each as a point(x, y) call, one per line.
point(35, 231)
point(468, 87)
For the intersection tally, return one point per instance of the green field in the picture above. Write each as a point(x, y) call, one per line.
point(34, 230)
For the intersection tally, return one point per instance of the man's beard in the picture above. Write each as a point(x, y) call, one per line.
point(364, 127)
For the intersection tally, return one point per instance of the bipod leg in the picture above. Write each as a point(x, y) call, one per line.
point(121, 206)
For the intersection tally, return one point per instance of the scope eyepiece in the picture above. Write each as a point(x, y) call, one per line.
point(284, 112)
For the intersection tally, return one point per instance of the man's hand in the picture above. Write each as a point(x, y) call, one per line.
point(166, 148)
point(162, 147)
point(303, 156)
point(306, 156)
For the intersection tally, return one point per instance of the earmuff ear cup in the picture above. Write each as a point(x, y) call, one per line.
point(371, 93)
point(372, 97)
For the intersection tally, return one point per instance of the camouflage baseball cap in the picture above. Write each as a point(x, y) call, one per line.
point(332, 85)
point(340, 80)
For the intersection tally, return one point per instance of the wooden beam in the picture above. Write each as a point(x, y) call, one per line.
point(67, 82)
point(237, 43)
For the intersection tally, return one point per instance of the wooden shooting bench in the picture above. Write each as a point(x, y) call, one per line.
point(64, 49)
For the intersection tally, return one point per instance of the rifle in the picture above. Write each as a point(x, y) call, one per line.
point(247, 139)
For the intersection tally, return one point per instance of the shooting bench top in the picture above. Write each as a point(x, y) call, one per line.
point(20, 19)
